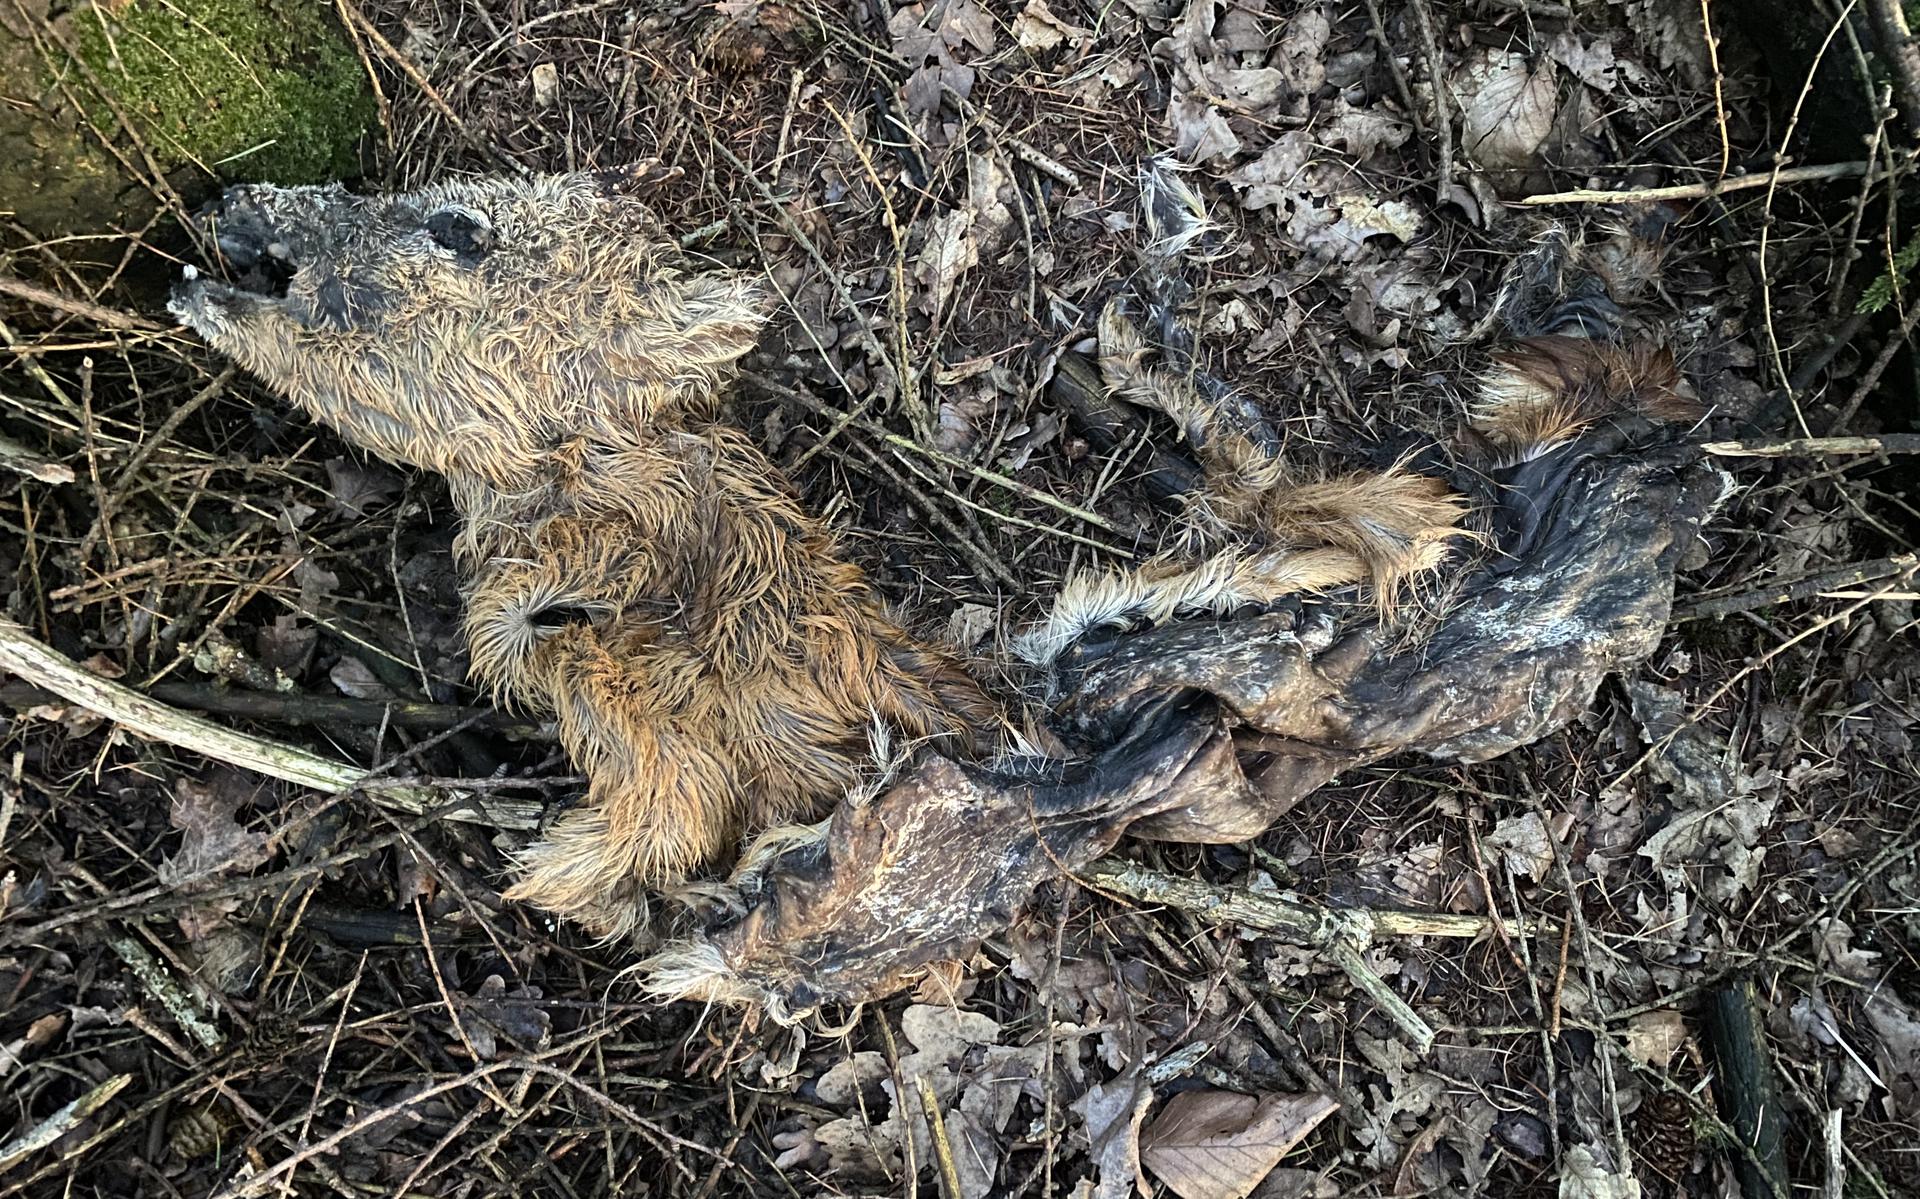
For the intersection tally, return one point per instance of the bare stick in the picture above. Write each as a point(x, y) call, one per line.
point(1343, 933)
point(1810, 447)
point(109, 318)
point(942, 1147)
point(1442, 118)
point(1901, 56)
point(1699, 191)
point(22, 655)
point(1785, 591)
point(1024, 150)
point(420, 81)
point(1878, 368)
point(21, 460)
point(820, 407)
point(167, 991)
point(60, 1123)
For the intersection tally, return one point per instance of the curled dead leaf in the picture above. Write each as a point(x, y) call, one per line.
point(1038, 28)
point(1507, 108)
point(1654, 1037)
point(1219, 1145)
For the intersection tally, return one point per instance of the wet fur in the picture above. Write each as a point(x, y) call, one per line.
point(635, 566)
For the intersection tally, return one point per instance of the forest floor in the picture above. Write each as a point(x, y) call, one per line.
point(256, 989)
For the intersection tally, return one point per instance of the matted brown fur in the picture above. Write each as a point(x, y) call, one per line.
point(1543, 391)
point(636, 567)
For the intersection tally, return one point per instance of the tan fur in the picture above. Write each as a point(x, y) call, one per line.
point(1544, 391)
point(1260, 530)
point(635, 567)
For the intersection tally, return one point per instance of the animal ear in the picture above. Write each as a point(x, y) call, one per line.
point(721, 317)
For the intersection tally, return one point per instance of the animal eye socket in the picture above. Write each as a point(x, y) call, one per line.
point(461, 232)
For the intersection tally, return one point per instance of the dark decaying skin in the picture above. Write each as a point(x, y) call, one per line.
point(1294, 701)
point(1592, 500)
point(635, 566)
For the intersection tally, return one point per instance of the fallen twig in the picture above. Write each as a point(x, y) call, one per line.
point(1442, 118)
point(60, 1123)
point(21, 460)
point(1024, 150)
point(303, 710)
point(27, 658)
point(1808, 447)
point(1699, 191)
point(111, 318)
point(166, 990)
point(1900, 55)
point(820, 407)
point(414, 76)
point(1731, 602)
point(1343, 933)
point(949, 1171)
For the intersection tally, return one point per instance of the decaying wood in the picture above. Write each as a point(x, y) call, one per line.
point(61, 1122)
point(1810, 447)
point(1747, 1089)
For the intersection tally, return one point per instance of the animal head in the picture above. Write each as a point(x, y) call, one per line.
point(470, 326)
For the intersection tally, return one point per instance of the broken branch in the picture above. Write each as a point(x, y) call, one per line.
point(1343, 933)
point(1807, 447)
point(1699, 191)
point(44, 667)
point(106, 318)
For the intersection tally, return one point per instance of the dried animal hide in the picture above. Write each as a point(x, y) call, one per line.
point(1581, 585)
point(946, 856)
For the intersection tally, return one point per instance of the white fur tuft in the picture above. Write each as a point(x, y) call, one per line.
point(1155, 593)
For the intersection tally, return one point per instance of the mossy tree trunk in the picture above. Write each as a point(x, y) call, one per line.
point(101, 96)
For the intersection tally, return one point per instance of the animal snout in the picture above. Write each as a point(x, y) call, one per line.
point(258, 251)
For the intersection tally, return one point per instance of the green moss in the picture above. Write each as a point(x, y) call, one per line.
point(261, 89)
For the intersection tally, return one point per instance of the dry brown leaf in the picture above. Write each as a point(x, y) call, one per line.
point(1200, 133)
point(1038, 28)
point(1219, 1145)
point(1718, 820)
point(847, 1078)
point(356, 679)
point(1362, 132)
point(1113, 1112)
point(546, 85)
point(992, 219)
point(929, 41)
point(1507, 108)
point(941, 1034)
point(1583, 1177)
point(969, 624)
point(1590, 60)
point(211, 839)
point(495, 1014)
point(361, 487)
point(1898, 1059)
point(1672, 32)
point(1279, 175)
point(1654, 1037)
point(1339, 228)
point(1200, 130)
point(1301, 57)
point(1523, 843)
point(949, 251)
